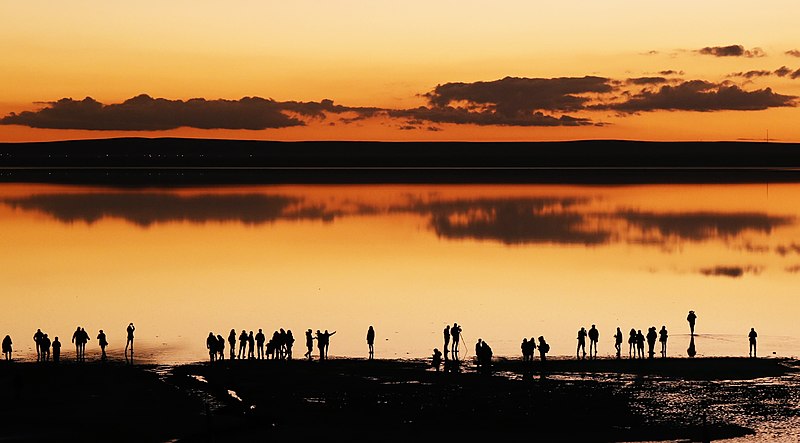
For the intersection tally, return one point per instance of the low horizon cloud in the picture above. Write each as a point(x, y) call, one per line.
point(510, 101)
point(732, 51)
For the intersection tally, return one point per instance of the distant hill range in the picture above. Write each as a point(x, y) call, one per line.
point(210, 160)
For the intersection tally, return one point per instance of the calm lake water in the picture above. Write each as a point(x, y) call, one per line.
point(504, 261)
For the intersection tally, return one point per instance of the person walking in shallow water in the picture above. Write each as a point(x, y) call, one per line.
point(691, 318)
point(752, 335)
point(371, 342)
point(618, 343)
point(662, 338)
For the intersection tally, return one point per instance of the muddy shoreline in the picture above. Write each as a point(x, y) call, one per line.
point(361, 400)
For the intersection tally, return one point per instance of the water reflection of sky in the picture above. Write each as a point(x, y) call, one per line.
point(505, 261)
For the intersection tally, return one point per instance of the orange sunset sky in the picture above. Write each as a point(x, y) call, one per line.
point(411, 70)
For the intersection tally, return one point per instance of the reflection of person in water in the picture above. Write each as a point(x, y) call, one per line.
point(752, 337)
point(691, 351)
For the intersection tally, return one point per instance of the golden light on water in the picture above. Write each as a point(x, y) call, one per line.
point(504, 261)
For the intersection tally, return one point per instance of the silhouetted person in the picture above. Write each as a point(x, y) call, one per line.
point(371, 342)
point(232, 343)
point(242, 344)
point(662, 338)
point(76, 338)
point(446, 333)
point(56, 350)
point(752, 335)
point(581, 344)
point(37, 338)
point(84, 339)
point(455, 334)
point(320, 345)
point(652, 335)
point(594, 336)
point(640, 343)
point(436, 361)
point(525, 348)
point(327, 336)
point(211, 344)
point(129, 341)
point(484, 357)
point(260, 339)
point(618, 343)
point(251, 346)
point(220, 347)
point(101, 340)
point(45, 344)
point(632, 343)
point(309, 344)
point(289, 344)
point(478, 359)
point(691, 351)
point(7, 347)
point(691, 319)
point(544, 348)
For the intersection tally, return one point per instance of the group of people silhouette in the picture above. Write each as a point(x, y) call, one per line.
point(279, 347)
point(45, 348)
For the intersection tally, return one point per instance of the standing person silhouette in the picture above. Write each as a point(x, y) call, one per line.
point(640, 343)
point(103, 342)
point(309, 344)
point(662, 337)
point(752, 335)
point(220, 347)
point(327, 336)
point(37, 339)
point(211, 344)
point(289, 344)
point(242, 344)
point(371, 342)
point(76, 338)
point(45, 344)
point(581, 343)
point(632, 343)
point(594, 336)
point(260, 339)
point(129, 341)
point(691, 318)
point(7, 347)
point(84, 340)
point(232, 343)
point(455, 333)
point(618, 343)
point(446, 333)
point(56, 350)
point(251, 345)
point(320, 344)
point(652, 335)
point(544, 348)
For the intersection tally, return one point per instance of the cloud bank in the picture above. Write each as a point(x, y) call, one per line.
point(731, 51)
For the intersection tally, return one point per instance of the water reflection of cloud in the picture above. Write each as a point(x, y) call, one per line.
point(146, 209)
point(699, 226)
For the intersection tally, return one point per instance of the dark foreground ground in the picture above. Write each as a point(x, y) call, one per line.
point(362, 400)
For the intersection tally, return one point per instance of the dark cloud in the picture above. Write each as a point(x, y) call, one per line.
point(751, 74)
point(783, 71)
point(511, 221)
point(646, 81)
point(144, 113)
point(795, 74)
point(514, 96)
point(784, 250)
point(449, 114)
point(671, 72)
point(793, 53)
point(146, 209)
point(699, 95)
point(731, 271)
point(731, 51)
point(700, 226)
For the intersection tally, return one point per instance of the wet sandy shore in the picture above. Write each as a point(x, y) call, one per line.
point(363, 400)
